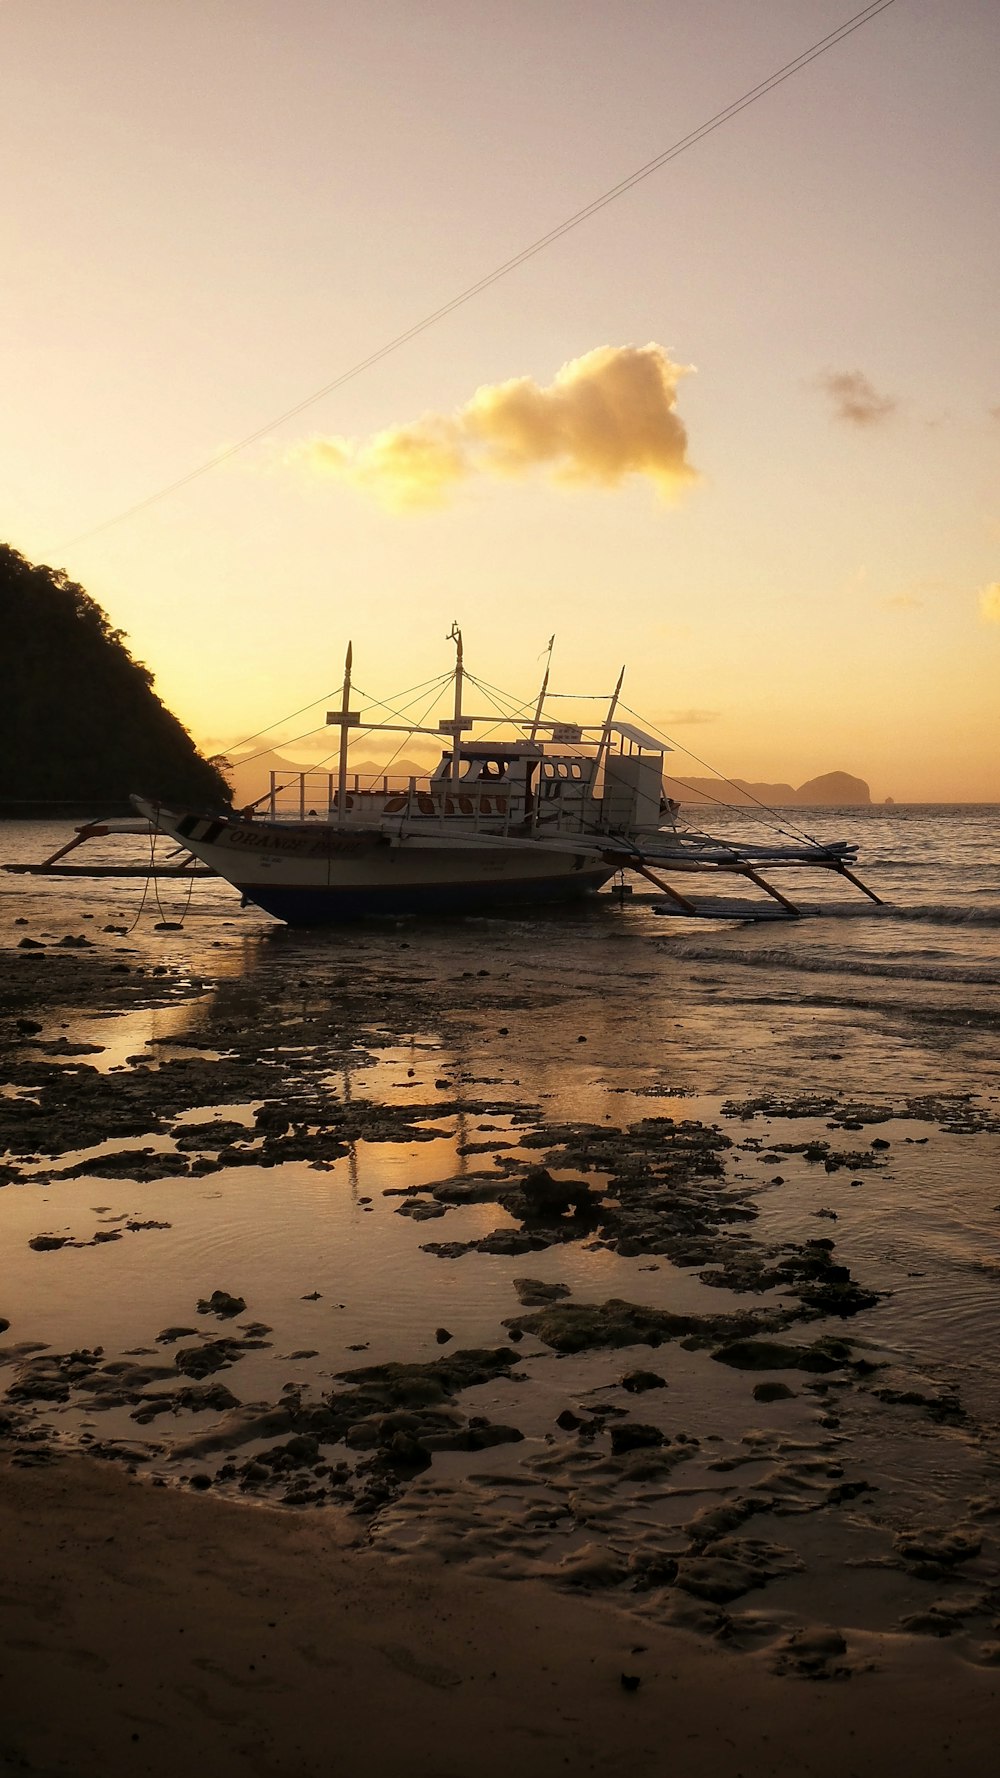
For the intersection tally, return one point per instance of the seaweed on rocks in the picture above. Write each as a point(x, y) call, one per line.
point(580, 1327)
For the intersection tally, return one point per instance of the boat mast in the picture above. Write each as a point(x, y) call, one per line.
point(541, 696)
point(605, 740)
point(459, 722)
point(347, 719)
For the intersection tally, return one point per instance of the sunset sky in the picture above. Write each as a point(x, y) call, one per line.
point(740, 430)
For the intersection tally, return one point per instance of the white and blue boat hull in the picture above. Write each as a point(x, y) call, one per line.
point(310, 874)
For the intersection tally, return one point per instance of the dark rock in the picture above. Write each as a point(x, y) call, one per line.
point(632, 1435)
point(637, 1382)
point(406, 1452)
point(402, 1384)
point(442, 1336)
point(39, 1385)
point(779, 1355)
point(772, 1392)
point(545, 1196)
point(221, 1304)
point(533, 1292)
point(421, 1211)
point(574, 1327)
point(201, 1361)
point(629, 1682)
point(568, 1420)
point(216, 1134)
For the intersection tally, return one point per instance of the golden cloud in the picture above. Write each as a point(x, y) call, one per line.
point(855, 398)
point(606, 416)
point(989, 603)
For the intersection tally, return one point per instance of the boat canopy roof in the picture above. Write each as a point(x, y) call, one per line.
point(499, 749)
point(639, 738)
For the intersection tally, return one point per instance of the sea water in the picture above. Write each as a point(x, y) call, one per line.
point(611, 1013)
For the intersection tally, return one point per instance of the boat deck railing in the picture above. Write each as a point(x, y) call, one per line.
point(426, 804)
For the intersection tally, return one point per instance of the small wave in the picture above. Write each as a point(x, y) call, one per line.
point(939, 913)
point(820, 963)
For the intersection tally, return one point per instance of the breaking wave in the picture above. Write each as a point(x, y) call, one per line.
point(932, 913)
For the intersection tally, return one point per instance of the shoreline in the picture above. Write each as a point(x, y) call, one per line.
point(140, 1624)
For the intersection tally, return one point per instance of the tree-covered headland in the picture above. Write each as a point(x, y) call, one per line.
point(80, 722)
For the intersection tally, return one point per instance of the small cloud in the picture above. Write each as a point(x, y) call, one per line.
point(855, 398)
point(680, 718)
point(604, 417)
point(989, 603)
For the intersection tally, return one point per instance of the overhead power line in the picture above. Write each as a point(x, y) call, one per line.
point(751, 97)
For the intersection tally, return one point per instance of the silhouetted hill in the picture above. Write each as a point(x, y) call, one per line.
point(81, 722)
point(830, 790)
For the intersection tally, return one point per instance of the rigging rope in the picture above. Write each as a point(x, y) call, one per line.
point(419, 724)
point(790, 832)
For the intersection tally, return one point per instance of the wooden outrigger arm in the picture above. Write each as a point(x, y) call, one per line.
point(732, 863)
point(747, 870)
point(91, 830)
point(643, 870)
point(858, 884)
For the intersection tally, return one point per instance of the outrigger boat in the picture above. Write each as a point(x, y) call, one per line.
point(549, 815)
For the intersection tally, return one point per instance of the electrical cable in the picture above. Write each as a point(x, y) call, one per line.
point(751, 97)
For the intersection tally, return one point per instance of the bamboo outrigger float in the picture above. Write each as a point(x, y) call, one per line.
point(550, 814)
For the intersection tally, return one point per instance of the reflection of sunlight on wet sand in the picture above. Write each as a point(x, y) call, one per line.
point(126, 1034)
point(274, 1235)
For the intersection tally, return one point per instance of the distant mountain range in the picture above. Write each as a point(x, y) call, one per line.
point(250, 777)
point(830, 790)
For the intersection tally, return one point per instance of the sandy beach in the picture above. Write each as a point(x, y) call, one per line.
point(142, 1628)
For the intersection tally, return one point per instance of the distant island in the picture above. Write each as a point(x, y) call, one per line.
point(830, 790)
point(83, 727)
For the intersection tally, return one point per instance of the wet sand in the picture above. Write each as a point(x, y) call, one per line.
point(685, 1380)
point(142, 1628)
